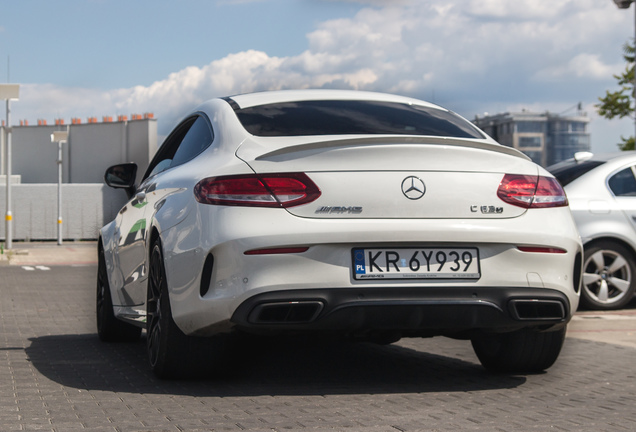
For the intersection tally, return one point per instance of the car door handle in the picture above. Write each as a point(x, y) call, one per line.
point(140, 196)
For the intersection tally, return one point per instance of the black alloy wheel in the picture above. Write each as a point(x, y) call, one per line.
point(162, 334)
point(171, 353)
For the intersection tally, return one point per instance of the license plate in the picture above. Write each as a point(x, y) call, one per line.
point(416, 263)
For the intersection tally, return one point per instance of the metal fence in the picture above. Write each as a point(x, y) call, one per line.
point(85, 209)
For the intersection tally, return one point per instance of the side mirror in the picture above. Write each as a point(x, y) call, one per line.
point(122, 176)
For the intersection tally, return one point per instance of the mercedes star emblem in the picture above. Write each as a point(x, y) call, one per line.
point(413, 188)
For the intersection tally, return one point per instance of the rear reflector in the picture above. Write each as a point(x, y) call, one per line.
point(254, 190)
point(535, 249)
point(531, 192)
point(273, 251)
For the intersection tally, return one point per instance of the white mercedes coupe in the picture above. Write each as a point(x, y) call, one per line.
point(323, 212)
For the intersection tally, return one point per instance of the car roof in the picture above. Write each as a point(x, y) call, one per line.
point(263, 98)
point(570, 170)
point(616, 158)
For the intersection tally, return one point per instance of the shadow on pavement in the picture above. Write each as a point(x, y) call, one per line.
point(280, 367)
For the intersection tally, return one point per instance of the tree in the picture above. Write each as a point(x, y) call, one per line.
point(618, 104)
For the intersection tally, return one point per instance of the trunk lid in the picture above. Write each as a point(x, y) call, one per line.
point(394, 177)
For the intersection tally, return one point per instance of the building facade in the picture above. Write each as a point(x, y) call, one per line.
point(546, 138)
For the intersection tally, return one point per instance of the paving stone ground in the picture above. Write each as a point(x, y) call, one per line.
point(55, 375)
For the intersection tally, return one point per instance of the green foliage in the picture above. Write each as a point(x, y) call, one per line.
point(618, 104)
point(627, 144)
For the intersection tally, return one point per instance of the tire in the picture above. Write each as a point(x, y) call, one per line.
point(609, 276)
point(109, 328)
point(171, 353)
point(521, 351)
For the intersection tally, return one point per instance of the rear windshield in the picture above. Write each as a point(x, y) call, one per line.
point(337, 117)
point(567, 172)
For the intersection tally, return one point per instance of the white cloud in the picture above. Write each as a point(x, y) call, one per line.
point(470, 55)
point(383, 3)
point(516, 10)
point(583, 65)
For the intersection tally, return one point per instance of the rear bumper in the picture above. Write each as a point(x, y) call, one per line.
point(413, 311)
point(205, 299)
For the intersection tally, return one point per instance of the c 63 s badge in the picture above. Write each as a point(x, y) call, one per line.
point(339, 210)
point(486, 209)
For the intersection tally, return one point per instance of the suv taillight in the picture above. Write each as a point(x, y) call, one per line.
point(257, 190)
point(531, 191)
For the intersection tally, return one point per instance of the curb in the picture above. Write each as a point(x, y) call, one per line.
point(49, 253)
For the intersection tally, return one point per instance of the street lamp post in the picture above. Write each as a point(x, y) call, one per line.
point(59, 137)
point(8, 92)
point(624, 4)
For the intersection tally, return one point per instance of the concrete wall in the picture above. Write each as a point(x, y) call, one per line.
point(85, 209)
point(142, 144)
point(91, 148)
point(34, 155)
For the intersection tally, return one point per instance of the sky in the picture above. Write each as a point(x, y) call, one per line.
point(85, 58)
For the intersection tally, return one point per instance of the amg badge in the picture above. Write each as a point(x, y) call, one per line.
point(339, 210)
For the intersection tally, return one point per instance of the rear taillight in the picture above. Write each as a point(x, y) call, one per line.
point(254, 190)
point(531, 191)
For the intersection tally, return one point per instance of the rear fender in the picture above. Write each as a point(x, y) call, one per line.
point(604, 230)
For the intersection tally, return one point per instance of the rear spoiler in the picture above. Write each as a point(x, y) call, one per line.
point(258, 150)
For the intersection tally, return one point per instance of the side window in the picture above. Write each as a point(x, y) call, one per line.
point(163, 158)
point(197, 139)
point(623, 183)
point(161, 166)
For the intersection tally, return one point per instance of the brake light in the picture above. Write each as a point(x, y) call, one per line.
point(531, 191)
point(254, 190)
